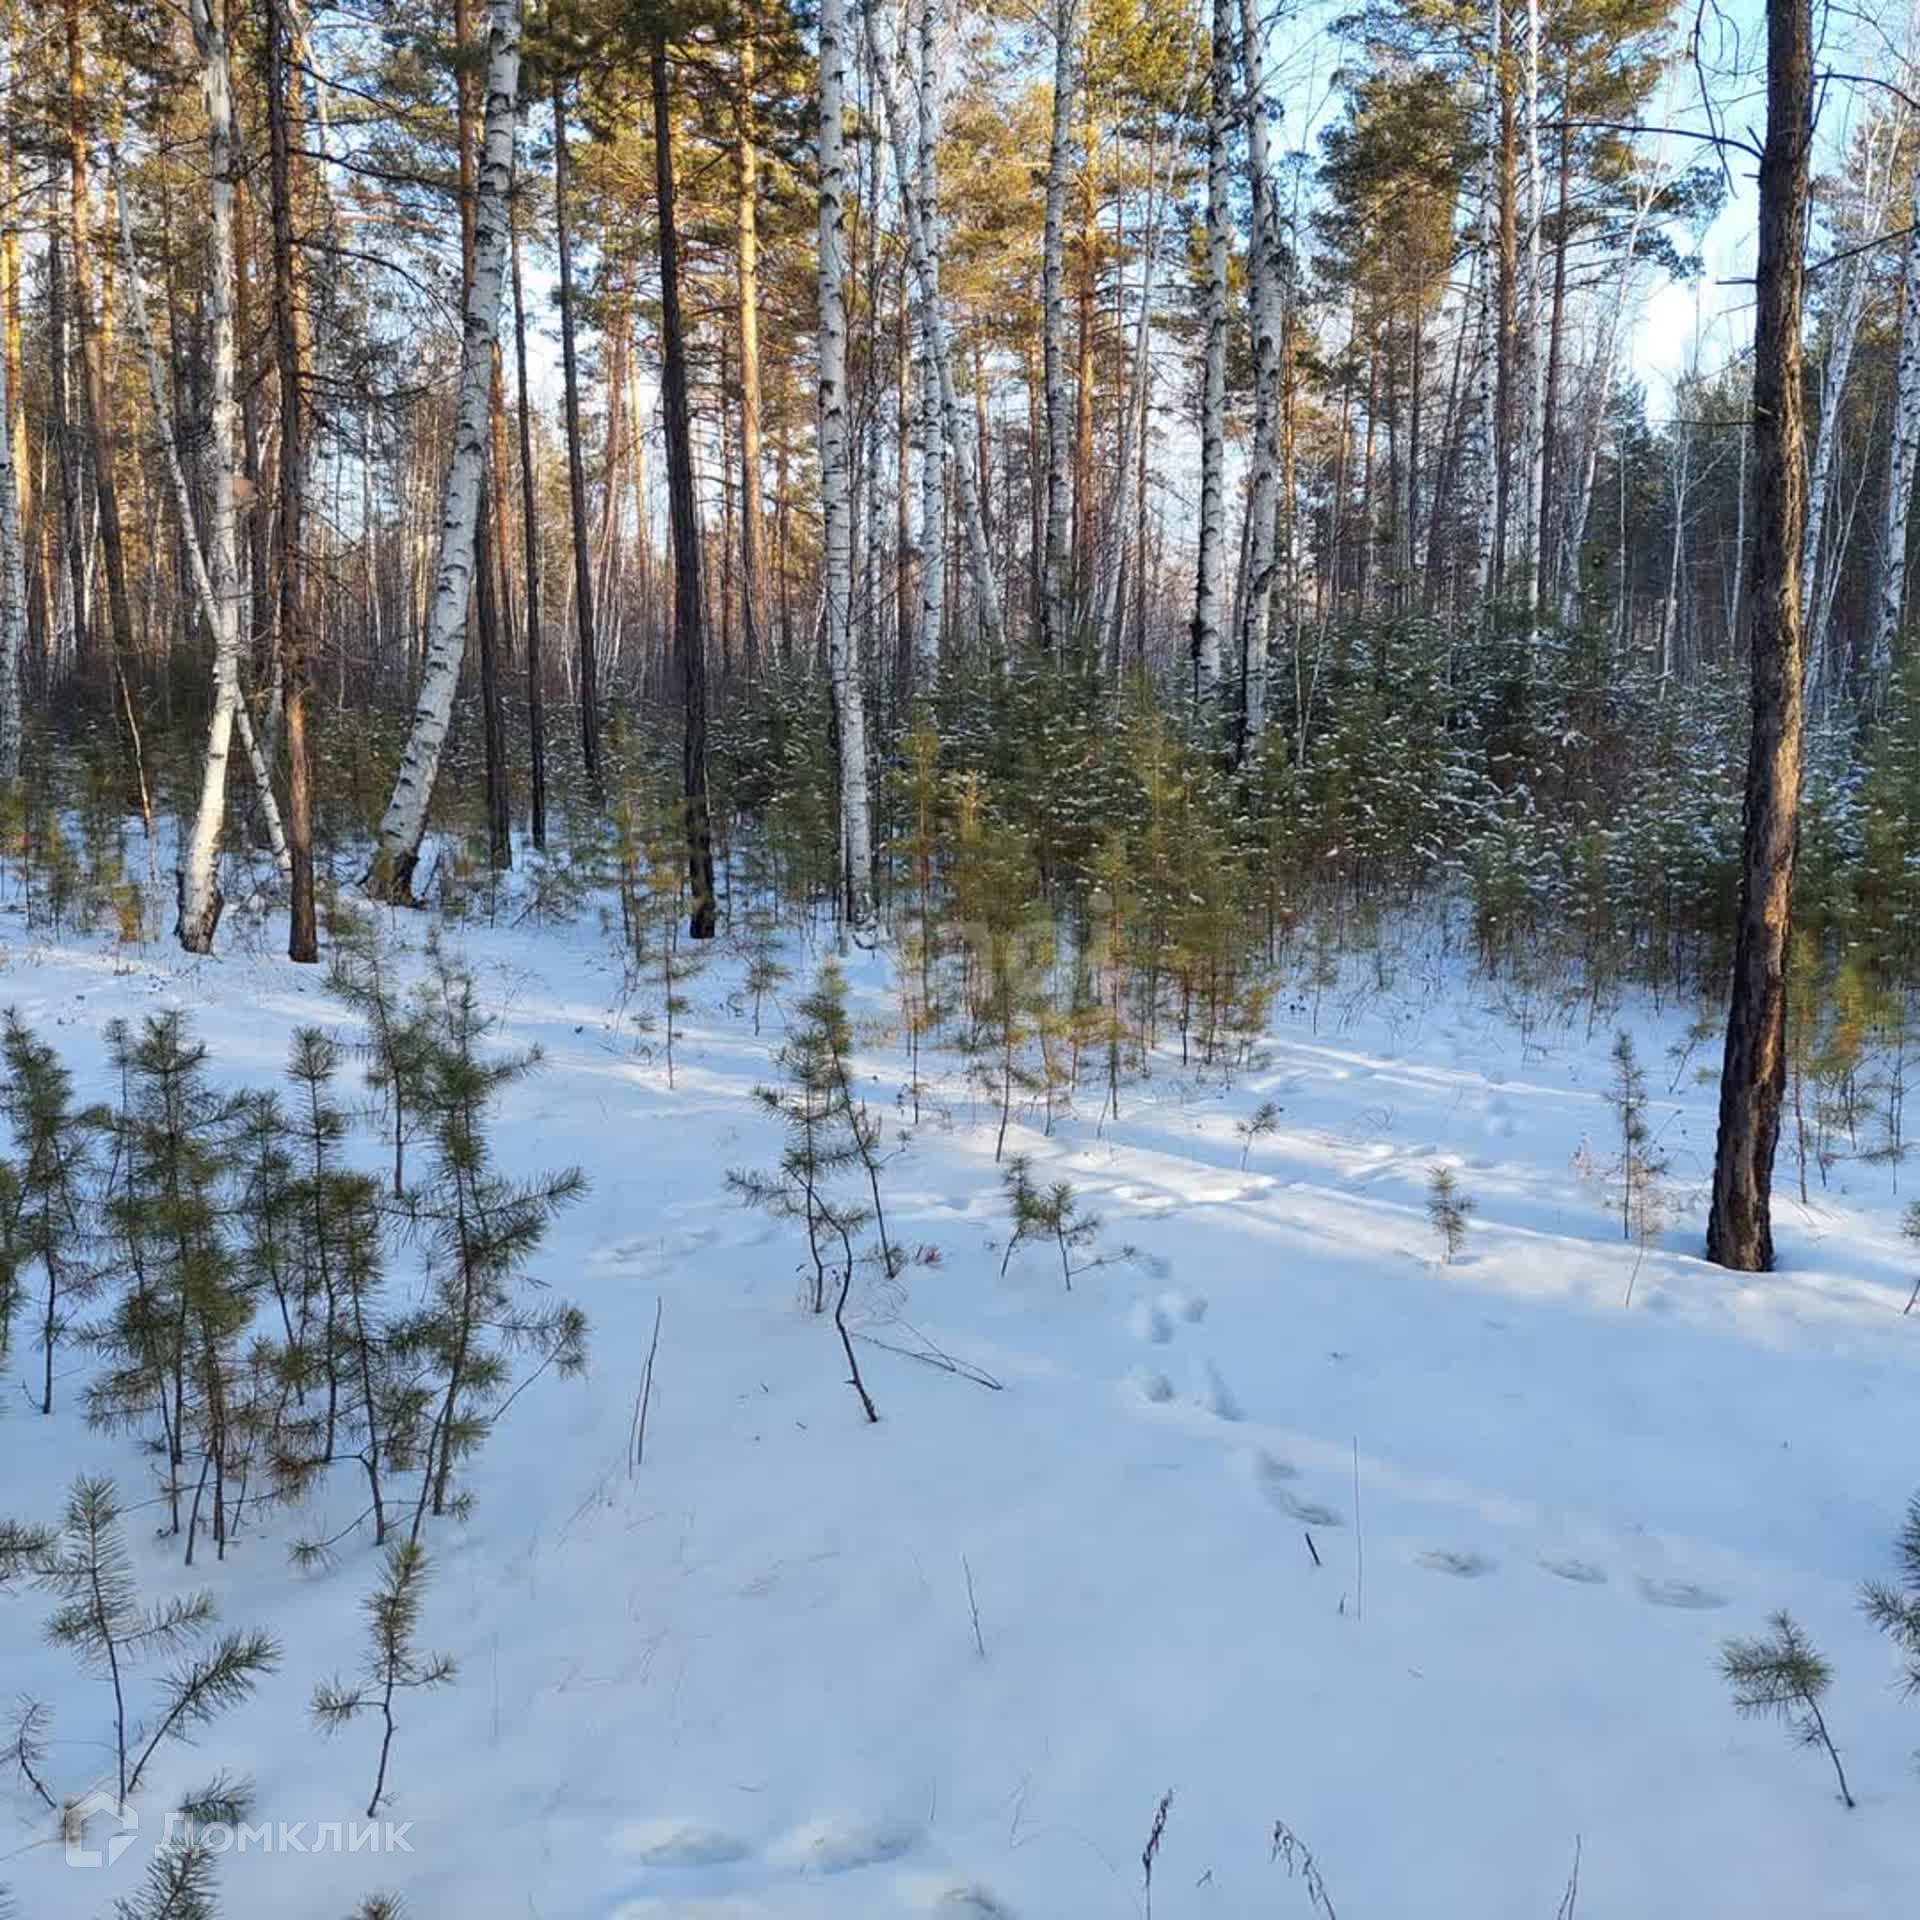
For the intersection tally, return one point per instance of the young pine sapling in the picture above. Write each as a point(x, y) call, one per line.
point(1263, 1120)
point(1894, 1606)
point(1051, 1213)
point(1779, 1676)
point(392, 1664)
point(1449, 1211)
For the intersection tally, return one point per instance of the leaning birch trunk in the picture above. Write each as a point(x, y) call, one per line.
point(200, 901)
point(13, 574)
point(1900, 462)
point(1053, 301)
point(404, 826)
point(836, 510)
point(1209, 593)
point(929, 85)
point(211, 602)
point(959, 431)
point(1269, 320)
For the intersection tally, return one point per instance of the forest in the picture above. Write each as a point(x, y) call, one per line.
point(823, 698)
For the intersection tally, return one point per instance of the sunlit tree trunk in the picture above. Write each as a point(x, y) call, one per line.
point(1267, 309)
point(200, 900)
point(929, 86)
point(753, 545)
point(530, 541)
point(404, 824)
point(1753, 1074)
point(1210, 590)
point(1057, 565)
point(1891, 591)
point(835, 431)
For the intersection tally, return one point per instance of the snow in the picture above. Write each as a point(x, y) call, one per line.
point(1430, 1561)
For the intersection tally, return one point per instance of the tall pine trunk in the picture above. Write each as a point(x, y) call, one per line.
point(530, 540)
point(1753, 1075)
point(303, 935)
point(689, 604)
point(1890, 593)
point(404, 824)
point(1057, 565)
point(588, 671)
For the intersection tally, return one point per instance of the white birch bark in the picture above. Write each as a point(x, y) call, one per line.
point(1133, 423)
point(1532, 362)
point(835, 442)
point(1833, 387)
point(1593, 426)
point(1210, 587)
point(405, 823)
point(200, 900)
point(959, 427)
point(213, 609)
point(929, 97)
point(1891, 593)
point(1267, 309)
point(1053, 301)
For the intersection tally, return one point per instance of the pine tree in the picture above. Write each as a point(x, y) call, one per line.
point(101, 1620)
point(48, 1208)
point(481, 1229)
point(1449, 1211)
point(1263, 1120)
point(398, 1042)
point(1640, 1166)
point(1894, 1606)
point(829, 1136)
point(392, 1664)
point(1781, 1677)
point(1051, 1213)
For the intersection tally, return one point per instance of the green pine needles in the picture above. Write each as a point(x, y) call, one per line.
point(1779, 1676)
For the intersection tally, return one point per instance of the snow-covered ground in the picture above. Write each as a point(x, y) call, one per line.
point(1431, 1562)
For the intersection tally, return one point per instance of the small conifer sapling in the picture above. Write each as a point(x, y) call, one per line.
point(1449, 1211)
point(1779, 1676)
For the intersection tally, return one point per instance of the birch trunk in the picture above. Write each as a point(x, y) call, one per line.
point(200, 900)
point(1056, 584)
point(959, 436)
point(1833, 386)
point(1900, 462)
point(1487, 352)
point(1211, 586)
point(1533, 445)
point(929, 87)
point(405, 822)
point(1269, 322)
point(836, 505)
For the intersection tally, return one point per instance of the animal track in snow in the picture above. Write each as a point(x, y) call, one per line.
point(1151, 1386)
point(1567, 1566)
point(1148, 1320)
point(838, 1846)
point(1270, 1477)
point(941, 1894)
point(1680, 1593)
point(678, 1843)
point(1213, 1393)
point(1461, 1563)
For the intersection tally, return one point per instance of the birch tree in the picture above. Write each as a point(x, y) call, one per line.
point(1265, 263)
point(1053, 298)
point(929, 94)
point(836, 505)
point(1891, 590)
point(1209, 595)
point(404, 824)
point(959, 432)
point(200, 900)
